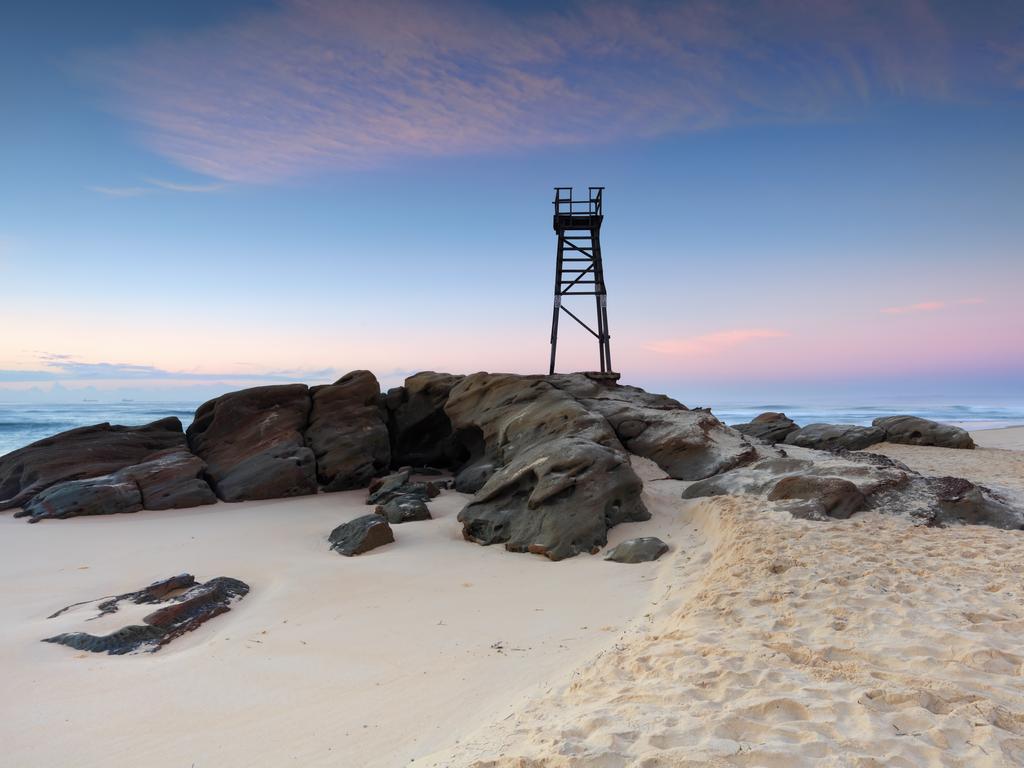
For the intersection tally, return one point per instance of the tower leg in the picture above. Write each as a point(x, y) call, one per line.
point(557, 308)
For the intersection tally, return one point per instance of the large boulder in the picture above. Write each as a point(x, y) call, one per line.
point(961, 501)
point(911, 430)
point(826, 496)
point(347, 432)
point(770, 427)
point(361, 535)
point(421, 432)
point(832, 437)
point(170, 480)
point(562, 477)
point(688, 444)
point(82, 453)
point(253, 444)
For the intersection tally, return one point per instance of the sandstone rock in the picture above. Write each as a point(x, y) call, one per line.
point(107, 495)
point(830, 437)
point(771, 427)
point(473, 476)
point(911, 430)
point(404, 509)
point(384, 488)
point(831, 496)
point(640, 550)
point(253, 443)
point(347, 432)
point(82, 453)
point(961, 501)
point(178, 615)
point(421, 432)
point(171, 480)
point(562, 478)
point(687, 444)
point(361, 535)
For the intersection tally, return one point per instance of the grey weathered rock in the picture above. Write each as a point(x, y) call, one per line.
point(830, 496)
point(361, 535)
point(82, 453)
point(421, 432)
point(562, 478)
point(404, 509)
point(347, 432)
point(253, 443)
point(687, 444)
point(961, 501)
point(473, 476)
point(639, 550)
point(176, 616)
point(169, 480)
point(384, 488)
point(770, 427)
point(911, 430)
point(830, 437)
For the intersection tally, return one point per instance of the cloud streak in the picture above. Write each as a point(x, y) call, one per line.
point(155, 185)
point(929, 306)
point(316, 85)
point(712, 343)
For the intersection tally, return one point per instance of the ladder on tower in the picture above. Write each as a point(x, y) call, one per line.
point(578, 267)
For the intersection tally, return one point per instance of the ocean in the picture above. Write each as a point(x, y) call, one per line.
point(22, 424)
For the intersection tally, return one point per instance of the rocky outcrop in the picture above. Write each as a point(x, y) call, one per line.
point(911, 430)
point(82, 453)
point(169, 480)
point(176, 616)
point(562, 477)
point(642, 550)
point(832, 437)
point(770, 427)
point(820, 485)
point(687, 444)
point(361, 535)
point(421, 432)
point(347, 432)
point(253, 443)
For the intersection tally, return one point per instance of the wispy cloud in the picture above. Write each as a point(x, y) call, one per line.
point(712, 343)
point(155, 185)
point(318, 84)
point(929, 306)
point(61, 367)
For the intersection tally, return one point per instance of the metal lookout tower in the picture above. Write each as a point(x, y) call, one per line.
point(578, 268)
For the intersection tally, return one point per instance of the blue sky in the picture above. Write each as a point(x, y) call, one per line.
point(801, 196)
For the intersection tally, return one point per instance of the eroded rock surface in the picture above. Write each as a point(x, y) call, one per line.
point(347, 432)
point(770, 427)
point(404, 509)
point(421, 432)
point(687, 444)
point(562, 477)
point(253, 443)
point(176, 616)
point(832, 437)
point(82, 453)
point(170, 480)
point(640, 550)
point(361, 535)
point(911, 430)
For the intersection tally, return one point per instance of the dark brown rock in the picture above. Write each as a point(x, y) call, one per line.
point(911, 430)
point(176, 616)
point(421, 432)
point(82, 453)
point(361, 535)
point(253, 443)
point(347, 432)
point(562, 477)
point(831, 437)
point(961, 501)
point(831, 496)
point(770, 427)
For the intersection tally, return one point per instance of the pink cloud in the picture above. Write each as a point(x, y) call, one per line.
point(318, 85)
point(712, 343)
point(929, 306)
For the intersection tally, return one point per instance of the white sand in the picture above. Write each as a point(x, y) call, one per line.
point(365, 661)
point(759, 640)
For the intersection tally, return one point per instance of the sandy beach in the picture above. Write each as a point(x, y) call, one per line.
point(757, 640)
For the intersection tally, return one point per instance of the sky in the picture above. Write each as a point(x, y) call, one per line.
point(801, 197)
